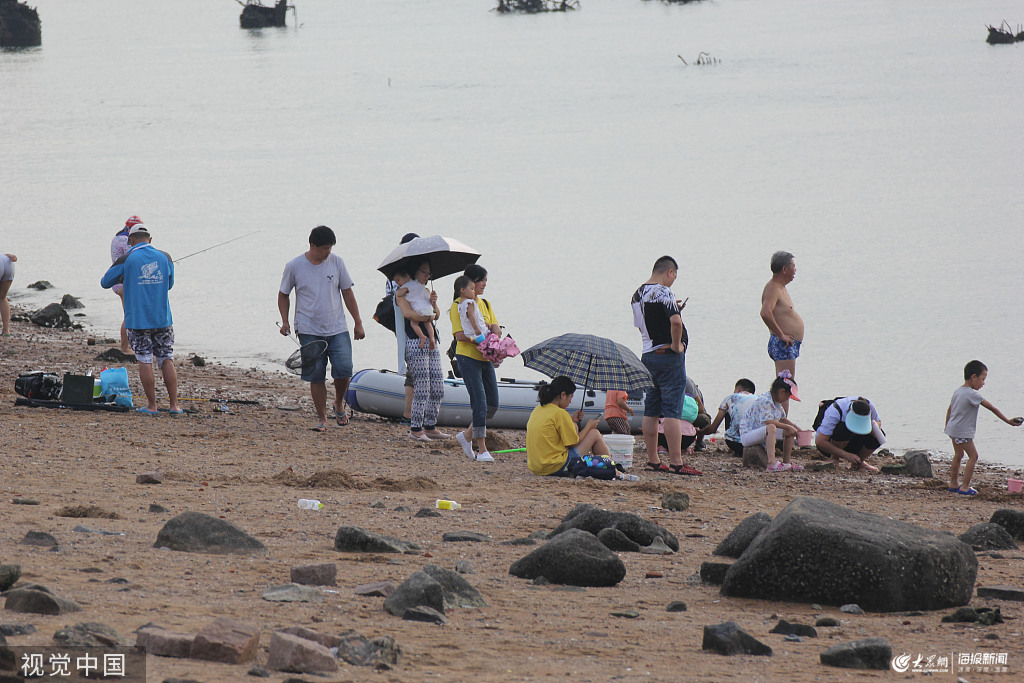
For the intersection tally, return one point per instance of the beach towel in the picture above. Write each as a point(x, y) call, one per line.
point(497, 349)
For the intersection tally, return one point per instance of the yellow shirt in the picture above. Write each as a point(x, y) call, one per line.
point(469, 348)
point(549, 433)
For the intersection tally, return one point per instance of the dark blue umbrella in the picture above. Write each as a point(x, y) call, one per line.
point(590, 361)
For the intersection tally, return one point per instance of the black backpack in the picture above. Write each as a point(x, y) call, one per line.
point(39, 385)
point(822, 407)
point(385, 312)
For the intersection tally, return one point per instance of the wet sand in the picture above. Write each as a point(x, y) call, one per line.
point(250, 466)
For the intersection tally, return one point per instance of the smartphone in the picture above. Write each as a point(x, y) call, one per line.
point(683, 305)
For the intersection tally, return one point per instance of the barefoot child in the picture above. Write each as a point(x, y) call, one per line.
point(962, 422)
point(473, 325)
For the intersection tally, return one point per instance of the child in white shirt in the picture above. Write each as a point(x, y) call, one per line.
point(473, 324)
point(418, 296)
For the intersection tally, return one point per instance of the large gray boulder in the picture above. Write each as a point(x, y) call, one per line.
point(1011, 520)
point(294, 653)
point(918, 464)
point(357, 650)
point(9, 575)
point(745, 532)
point(194, 532)
point(988, 536)
point(592, 519)
point(354, 539)
point(817, 551)
point(420, 589)
point(729, 639)
point(574, 557)
point(31, 600)
point(88, 634)
point(457, 592)
point(870, 653)
point(53, 315)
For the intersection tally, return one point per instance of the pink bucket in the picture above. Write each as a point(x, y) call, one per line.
point(805, 437)
point(1014, 485)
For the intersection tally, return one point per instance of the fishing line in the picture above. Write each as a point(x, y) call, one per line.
point(215, 246)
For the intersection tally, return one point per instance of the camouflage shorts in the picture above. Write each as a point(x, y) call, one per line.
point(149, 344)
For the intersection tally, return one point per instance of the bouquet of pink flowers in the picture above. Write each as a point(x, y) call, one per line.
point(497, 349)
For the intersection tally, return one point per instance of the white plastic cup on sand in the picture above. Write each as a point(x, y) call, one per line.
point(1014, 485)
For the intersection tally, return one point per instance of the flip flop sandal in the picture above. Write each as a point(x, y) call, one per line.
point(685, 469)
point(318, 428)
point(954, 490)
point(341, 418)
point(147, 411)
point(657, 467)
point(969, 492)
point(796, 468)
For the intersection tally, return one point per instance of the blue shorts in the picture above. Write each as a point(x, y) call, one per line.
point(573, 454)
point(339, 351)
point(779, 351)
point(668, 370)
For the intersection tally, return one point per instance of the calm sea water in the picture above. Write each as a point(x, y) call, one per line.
point(879, 141)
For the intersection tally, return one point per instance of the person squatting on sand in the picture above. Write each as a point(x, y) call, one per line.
point(6, 278)
point(148, 275)
point(477, 372)
point(847, 432)
point(733, 408)
point(321, 282)
point(780, 316)
point(424, 360)
point(962, 423)
point(556, 446)
point(765, 421)
point(615, 411)
point(118, 248)
point(656, 315)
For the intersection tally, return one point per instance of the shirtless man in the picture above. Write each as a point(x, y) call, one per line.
point(777, 312)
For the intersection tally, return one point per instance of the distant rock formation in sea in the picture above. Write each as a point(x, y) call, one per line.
point(19, 25)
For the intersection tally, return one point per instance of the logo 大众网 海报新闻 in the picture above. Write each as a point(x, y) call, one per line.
point(964, 662)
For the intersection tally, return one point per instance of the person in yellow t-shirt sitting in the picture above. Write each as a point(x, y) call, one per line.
point(552, 440)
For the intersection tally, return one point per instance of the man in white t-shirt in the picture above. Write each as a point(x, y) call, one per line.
point(321, 282)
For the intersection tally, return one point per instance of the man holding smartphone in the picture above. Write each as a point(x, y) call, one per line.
point(656, 315)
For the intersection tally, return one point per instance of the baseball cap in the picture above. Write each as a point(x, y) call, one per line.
point(138, 228)
point(132, 220)
point(858, 418)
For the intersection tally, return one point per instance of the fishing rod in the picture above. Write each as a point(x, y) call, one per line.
point(215, 246)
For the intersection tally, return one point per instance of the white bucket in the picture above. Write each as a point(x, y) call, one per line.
point(620, 448)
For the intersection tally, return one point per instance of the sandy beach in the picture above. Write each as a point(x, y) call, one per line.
point(250, 465)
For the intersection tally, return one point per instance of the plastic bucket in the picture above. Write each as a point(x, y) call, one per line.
point(1014, 485)
point(805, 437)
point(620, 448)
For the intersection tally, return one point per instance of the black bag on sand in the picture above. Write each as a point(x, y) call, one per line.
point(38, 384)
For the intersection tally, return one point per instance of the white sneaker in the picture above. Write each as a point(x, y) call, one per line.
point(484, 457)
point(466, 447)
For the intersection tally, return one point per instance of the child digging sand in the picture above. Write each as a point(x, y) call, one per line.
point(962, 422)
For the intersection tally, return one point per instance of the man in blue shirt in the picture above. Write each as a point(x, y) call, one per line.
point(148, 275)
